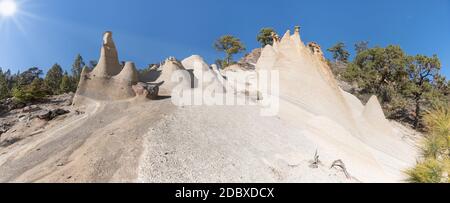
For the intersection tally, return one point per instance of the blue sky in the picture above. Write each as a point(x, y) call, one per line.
point(147, 31)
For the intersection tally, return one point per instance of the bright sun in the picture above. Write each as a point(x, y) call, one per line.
point(8, 7)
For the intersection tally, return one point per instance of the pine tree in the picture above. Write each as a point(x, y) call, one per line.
point(10, 79)
point(4, 90)
point(35, 91)
point(379, 70)
point(28, 76)
point(77, 67)
point(339, 52)
point(407, 86)
point(53, 78)
point(361, 46)
point(265, 36)
point(422, 71)
point(231, 46)
point(66, 85)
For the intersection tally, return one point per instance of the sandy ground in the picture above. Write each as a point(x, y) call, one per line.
point(102, 145)
point(155, 141)
point(229, 144)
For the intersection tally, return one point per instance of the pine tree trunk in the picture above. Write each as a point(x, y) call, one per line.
point(417, 112)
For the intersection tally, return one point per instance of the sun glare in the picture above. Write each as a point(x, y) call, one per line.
point(14, 16)
point(7, 7)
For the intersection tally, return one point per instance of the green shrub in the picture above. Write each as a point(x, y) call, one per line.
point(53, 79)
point(35, 91)
point(66, 85)
point(4, 91)
point(434, 147)
point(438, 121)
point(429, 171)
point(435, 168)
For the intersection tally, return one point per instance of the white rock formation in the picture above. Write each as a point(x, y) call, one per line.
point(173, 75)
point(218, 74)
point(109, 80)
point(204, 76)
point(336, 120)
point(108, 64)
point(128, 73)
point(115, 134)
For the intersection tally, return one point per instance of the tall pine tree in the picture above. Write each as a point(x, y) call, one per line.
point(77, 67)
point(4, 90)
point(66, 85)
point(339, 52)
point(422, 71)
point(53, 78)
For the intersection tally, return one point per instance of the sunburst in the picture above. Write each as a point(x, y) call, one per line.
point(13, 15)
point(8, 8)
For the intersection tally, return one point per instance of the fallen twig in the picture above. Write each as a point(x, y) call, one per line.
point(315, 163)
point(339, 163)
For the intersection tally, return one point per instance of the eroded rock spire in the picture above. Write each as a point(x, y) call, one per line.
point(108, 64)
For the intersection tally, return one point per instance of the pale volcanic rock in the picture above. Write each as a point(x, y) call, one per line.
point(108, 64)
point(173, 75)
point(128, 73)
point(116, 133)
point(109, 80)
point(204, 76)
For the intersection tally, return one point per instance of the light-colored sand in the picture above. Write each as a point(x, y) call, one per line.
point(230, 144)
point(104, 145)
point(158, 142)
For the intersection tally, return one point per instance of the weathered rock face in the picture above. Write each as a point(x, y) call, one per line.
point(248, 62)
point(373, 113)
point(9, 104)
point(308, 87)
point(316, 50)
point(108, 64)
point(109, 80)
point(203, 75)
point(305, 79)
point(30, 109)
point(49, 115)
point(174, 75)
point(4, 127)
point(147, 90)
point(19, 119)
